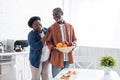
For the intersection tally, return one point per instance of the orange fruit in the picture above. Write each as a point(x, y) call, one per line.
point(58, 45)
point(61, 44)
point(64, 45)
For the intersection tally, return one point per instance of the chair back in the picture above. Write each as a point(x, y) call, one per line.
point(85, 62)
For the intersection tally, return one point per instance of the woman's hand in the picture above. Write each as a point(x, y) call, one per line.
point(43, 40)
point(45, 37)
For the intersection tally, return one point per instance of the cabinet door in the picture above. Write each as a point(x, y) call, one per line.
point(6, 66)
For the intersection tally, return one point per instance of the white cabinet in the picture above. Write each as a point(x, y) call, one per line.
point(14, 69)
point(7, 70)
point(6, 66)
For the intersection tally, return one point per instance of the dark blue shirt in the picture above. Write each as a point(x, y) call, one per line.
point(35, 47)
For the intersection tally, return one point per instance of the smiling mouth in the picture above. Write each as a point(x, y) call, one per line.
point(58, 20)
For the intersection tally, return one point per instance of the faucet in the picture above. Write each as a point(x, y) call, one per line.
point(1, 47)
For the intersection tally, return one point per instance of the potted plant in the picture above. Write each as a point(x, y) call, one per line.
point(108, 62)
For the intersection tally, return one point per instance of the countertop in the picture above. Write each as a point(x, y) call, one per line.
point(14, 53)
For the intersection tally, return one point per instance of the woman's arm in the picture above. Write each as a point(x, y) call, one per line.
point(33, 42)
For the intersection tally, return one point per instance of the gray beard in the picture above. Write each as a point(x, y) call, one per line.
point(60, 20)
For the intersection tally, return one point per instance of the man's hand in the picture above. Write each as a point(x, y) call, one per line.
point(55, 49)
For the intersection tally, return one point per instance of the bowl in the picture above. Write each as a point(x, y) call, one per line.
point(66, 49)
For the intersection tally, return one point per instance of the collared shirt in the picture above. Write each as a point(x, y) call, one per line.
point(63, 33)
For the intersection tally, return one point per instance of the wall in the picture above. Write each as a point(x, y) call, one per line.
point(14, 15)
point(96, 22)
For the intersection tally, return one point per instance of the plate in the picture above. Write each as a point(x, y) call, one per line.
point(66, 49)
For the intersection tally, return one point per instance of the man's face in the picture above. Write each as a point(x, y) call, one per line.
point(37, 26)
point(57, 16)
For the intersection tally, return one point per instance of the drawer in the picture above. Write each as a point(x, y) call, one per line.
point(6, 66)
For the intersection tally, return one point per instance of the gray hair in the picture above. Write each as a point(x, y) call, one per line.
point(58, 10)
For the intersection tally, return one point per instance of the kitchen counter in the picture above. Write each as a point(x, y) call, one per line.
point(14, 53)
point(17, 65)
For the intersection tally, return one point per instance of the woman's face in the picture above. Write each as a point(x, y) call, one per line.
point(37, 26)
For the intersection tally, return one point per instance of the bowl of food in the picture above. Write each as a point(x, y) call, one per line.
point(64, 47)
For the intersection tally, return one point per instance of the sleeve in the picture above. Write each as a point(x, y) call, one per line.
point(49, 39)
point(44, 30)
point(33, 42)
point(74, 39)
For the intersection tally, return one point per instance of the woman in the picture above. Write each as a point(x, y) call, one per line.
point(36, 40)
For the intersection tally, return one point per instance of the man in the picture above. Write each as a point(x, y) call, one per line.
point(60, 31)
